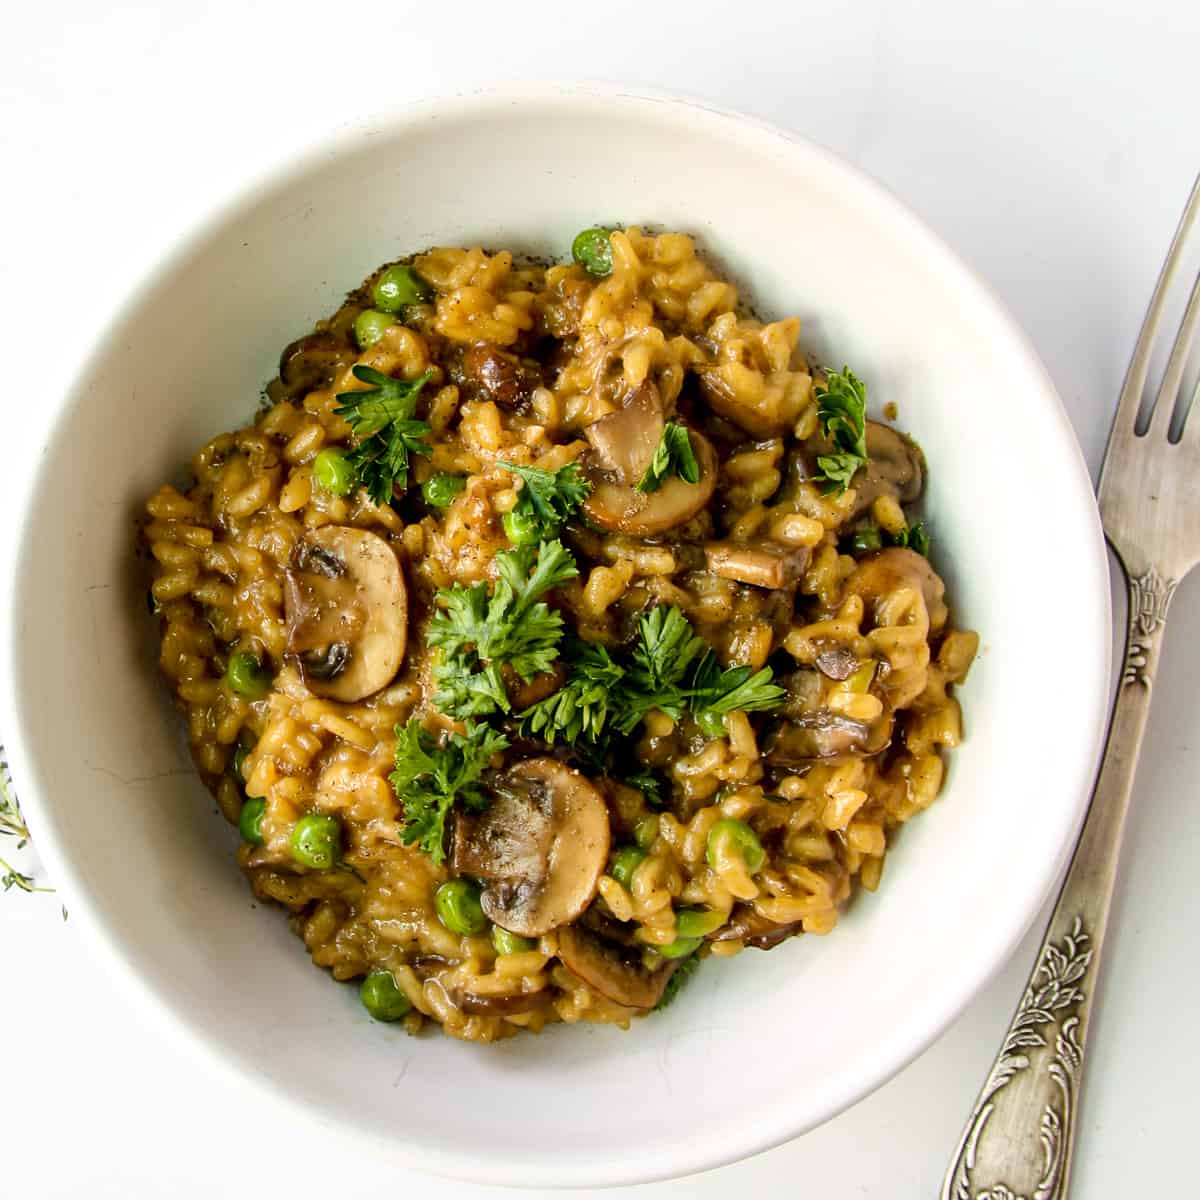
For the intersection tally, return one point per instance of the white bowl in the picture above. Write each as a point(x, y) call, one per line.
point(757, 1049)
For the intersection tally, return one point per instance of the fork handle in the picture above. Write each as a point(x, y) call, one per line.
point(1018, 1139)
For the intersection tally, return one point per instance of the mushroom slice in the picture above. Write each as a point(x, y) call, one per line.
point(313, 361)
point(488, 373)
point(499, 1006)
point(625, 441)
point(895, 467)
point(615, 971)
point(836, 662)
point(619, 506)
point(884, 572)
point(762, 564)
point(540, 848)
point(824, 734)
point(746, 925)
point(347, 612)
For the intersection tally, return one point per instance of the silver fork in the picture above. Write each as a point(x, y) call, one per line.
point(1019, 1138)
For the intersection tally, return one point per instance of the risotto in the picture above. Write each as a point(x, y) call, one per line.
point(554, 629)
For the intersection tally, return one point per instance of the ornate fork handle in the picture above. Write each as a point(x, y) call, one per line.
point(1018, 1140)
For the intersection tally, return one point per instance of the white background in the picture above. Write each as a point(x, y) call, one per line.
point(1052, 144)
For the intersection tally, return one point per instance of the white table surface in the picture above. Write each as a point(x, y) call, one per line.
point(1050, 143)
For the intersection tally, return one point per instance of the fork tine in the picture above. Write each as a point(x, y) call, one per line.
point(1168, 391)
point(1139, 364)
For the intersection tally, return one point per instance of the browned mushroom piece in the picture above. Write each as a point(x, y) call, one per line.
point(761, 564)
point(836, 662)
point(313, 361)
point(486, 372)
point(748, 926)
point(823, 734)
point(619, 506)
point(540, 848)
point(347, 612)
point(612, 969)
point(624, 442)
point(499, 1006)
point(881, 574)
point(895, 467)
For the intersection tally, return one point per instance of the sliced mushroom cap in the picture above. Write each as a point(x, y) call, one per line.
point(824, 733)
point(499, 1006)
point(625, 441)
point(613, 970)
point(748, 926)
point(836, 662)
point(540, 848)
point(486, 372)
point(313, 361)
point(621, 507)
point(761, 564)
point(895, 467)
point(347, 612)
point(884, 572)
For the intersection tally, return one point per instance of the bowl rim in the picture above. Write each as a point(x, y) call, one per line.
point(169, 245)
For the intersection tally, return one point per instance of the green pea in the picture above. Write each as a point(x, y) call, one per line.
point(370, 325)
point(246, 675)
point(681, 947)
point(696, 922)
point(334, 472)
point(645, 831)
point(317, 840)
point(382, 997)
point(738, 836)
point(250, 821)
point(592, 250)
point(396, 287)
point(866, 539)
point(439, 490)
point(521, 528)
point(510, 943)
point(623, 864)
point(712, 723)
point(458, 908)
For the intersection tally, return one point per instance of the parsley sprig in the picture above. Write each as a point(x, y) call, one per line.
point(842, 412)
point(382, 418)
point(580, 708)
point(671, 668)
point(673, 456)
point(548, 498)
point(915, 537)
point(679, 977)
point(480, 633)
point(12, 824)
point(430, 776)
point(716, 692)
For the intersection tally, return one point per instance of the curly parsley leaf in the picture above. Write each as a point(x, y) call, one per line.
point(649, 784)
point(382, 418)
point(667, 649)
point(674, 456)
point(716, 692)
point(479, 634)
point(548, 498)
point(915, 537)
point(431, 776)
point(842, 412)
point(580, 708)
point(682, 973)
